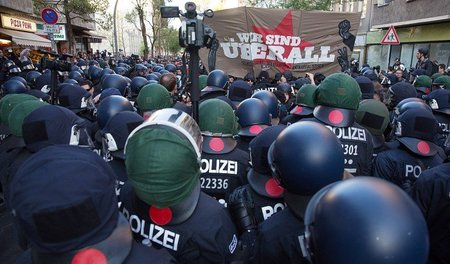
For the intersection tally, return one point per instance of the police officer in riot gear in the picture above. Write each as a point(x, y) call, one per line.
point(304, 105)
point(239, 91)
point(369, 234)
point(414, 152)
point(271, 101)
point(75, 220)
point(114, 134)
point(253, 117)
point(374, 116)
point(439, 101)
point(430, 192)
point(164, 204)
point(216, 85)
point(337, 100)
point(305, 157)
point(262, 196)
point(223, 165)
point(79, 101)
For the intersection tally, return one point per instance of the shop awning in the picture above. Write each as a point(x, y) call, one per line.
point(27, 39)
point(93, 34)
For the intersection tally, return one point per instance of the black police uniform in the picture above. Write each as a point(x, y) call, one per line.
point(264, 206)
point(9, 150)
point(431, 192)
point(118, 166)
point(207, 236)
point(222, 173)
point(183, 107)
point(278, 239)
point(138, 254)
point(291, 119)
point(402, 167)
point(357, 145)
point(243, 143)
point(444, 124)
point(264, 86)
point(4, 133)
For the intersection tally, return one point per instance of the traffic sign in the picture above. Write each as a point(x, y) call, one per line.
point(51, 28)
point(49, 15)
point(391, 37)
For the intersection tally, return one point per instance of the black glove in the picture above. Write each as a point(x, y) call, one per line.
point(242, 210)
point(343, 59)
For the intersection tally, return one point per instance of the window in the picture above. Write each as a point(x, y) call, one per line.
point(440, 52)
point(378, 55)
point(395, 53)
point(406, 55)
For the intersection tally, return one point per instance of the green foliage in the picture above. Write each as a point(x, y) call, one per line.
point(105, 21)
point(169, 40)
point(309, 4)
point(77, 8)
point(298, 4)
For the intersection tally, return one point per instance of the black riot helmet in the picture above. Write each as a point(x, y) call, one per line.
point(305, 157)
point(217, 78)
point(20, 79)
point(110, 106)
point(13, 87)
point(105, 72)
point(152, 76)
point(117, 130)
point(74, 75)
point(259, 176)
point(364, 220)
point(94, 73)
point(115, 81)
point(171, 68)
point(140, 69)
point(27, 66)
point(31, 78)
point(416, 129)
point(137, 83)
point(271, 101)
point(253, 116)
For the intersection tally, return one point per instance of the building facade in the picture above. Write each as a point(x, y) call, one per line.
point(22, 27)
point(419, 23)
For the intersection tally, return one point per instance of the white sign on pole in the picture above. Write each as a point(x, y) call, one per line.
point(51, 28)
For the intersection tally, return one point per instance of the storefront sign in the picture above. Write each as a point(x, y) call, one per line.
point(61, 36)
point(18, 23)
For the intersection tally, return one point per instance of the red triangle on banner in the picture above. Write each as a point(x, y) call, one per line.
point(391, 37)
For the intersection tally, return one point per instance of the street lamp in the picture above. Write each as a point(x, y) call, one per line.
point(116, 46)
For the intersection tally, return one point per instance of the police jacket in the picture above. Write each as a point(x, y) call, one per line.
point(222, 173)
point(444, 124)
point(138, 254)
point(278, 239)
point(402, 167)
point(291, 119)
point(357, 146)
point(263, 206)
point(207, 236)
point(431, 192)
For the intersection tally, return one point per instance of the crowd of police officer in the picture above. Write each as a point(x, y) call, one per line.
point(345, 168)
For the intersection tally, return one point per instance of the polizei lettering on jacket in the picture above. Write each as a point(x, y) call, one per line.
point(219, 166)
point(351, 133)
point(155, 233)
